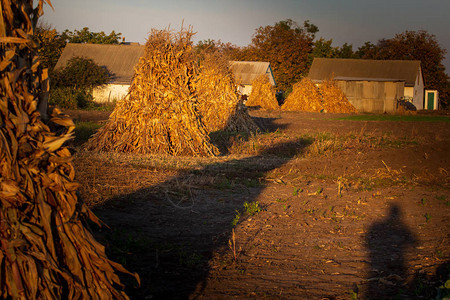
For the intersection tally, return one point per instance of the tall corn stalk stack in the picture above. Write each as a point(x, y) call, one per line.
point(160, 114)
point(46, 251)
point(219, 103)
point(305, 96)
point(328, 97)
point(263, 94)
point(334, 100)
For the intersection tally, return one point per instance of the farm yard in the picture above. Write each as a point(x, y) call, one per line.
point(315, 206)
point(218, 174)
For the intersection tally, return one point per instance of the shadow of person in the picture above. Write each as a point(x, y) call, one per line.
point(388, 241)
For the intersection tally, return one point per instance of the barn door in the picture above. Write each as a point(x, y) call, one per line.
point(430, 102)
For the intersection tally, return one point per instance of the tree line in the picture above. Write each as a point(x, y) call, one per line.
point(290, 48)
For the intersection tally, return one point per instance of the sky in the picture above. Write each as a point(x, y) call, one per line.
point(344, 21)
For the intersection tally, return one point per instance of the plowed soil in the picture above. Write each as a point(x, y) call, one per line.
point(314, 208)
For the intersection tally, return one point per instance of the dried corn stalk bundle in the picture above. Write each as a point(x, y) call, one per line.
point(219, 103)
point(334, 100)
point(160, 113)
point(46, 252)
point(305, 96)
point(263, 94)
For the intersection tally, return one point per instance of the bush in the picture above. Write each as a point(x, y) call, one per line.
point(69, 98)
point(80, 73)
point(72, 86)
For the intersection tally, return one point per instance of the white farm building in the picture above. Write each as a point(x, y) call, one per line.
point(119, 60)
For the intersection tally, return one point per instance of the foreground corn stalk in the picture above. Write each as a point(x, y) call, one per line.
point(46, 251)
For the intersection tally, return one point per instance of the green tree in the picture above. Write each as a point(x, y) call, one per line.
point(81, 73)
point(50, 45)
point(346, 51)
point(72, 86)
point(86, 36)
point(323, 48)
point(367, 51)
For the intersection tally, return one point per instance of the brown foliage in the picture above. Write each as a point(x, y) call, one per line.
point(287, 46)
point(46, 250)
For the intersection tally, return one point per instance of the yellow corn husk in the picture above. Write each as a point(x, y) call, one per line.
point(334, 100)
point(263, 94)
point(46, 252)
point(305, 96)
point(219, 103)
point(160, 113)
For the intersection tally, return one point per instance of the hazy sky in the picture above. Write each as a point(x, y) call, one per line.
point(235, 21)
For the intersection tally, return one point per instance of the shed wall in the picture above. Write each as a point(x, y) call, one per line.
point(372, 96)
point(110, 93)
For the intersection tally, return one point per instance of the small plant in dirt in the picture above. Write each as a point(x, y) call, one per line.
point(427, 217)
point(252, 208)
point(423, 201)
point(297, 191)
point(236, 219)
point(441, 197)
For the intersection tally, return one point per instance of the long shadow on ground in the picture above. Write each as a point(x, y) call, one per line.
point(168, 233)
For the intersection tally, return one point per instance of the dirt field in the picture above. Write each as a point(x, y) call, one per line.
point(314, 208)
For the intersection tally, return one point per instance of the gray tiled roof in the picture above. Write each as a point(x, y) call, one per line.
point(365, 69)
point(118, 59)
point(247, 71)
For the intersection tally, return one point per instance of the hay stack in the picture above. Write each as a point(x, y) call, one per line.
point(334, 100)
point(327, 98)
point(305, 96)
point(219, 102)
point(160, 113)
point(46, 250)
point(263, 94)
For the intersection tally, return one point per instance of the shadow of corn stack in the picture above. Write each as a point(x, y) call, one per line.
point(174, 102)
point(306, 96)
point(46, 250)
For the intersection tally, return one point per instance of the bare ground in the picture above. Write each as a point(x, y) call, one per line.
point(345, 210)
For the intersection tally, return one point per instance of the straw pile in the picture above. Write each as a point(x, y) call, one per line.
point(263, 94)
point(219, 102)
point(160, 114)
point(334, 100)
point(46, 251)
point(327, 98)
point(305, 96)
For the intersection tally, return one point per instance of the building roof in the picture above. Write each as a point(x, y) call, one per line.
point(118, 59)
point(247, 71)
point(365, 69)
